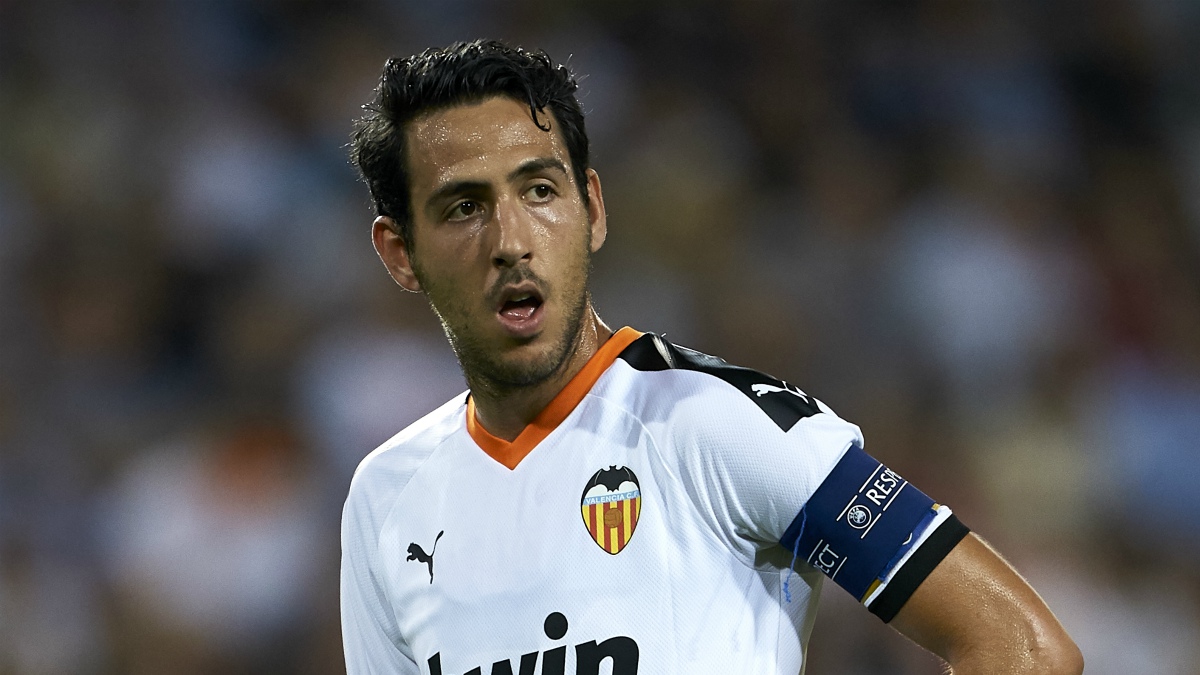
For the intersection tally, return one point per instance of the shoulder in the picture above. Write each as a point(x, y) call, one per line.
point(384, 473)
point(705, 388)
point(749, 449)
point(704, 411)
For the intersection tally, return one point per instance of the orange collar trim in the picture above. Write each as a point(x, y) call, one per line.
point(511, 454)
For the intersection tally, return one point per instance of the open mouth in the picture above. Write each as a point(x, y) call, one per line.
point(520, 307)
point(520, 310)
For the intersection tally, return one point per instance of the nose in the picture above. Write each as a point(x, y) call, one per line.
point(513, 234)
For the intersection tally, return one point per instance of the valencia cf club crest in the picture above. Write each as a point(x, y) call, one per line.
point(612, 502)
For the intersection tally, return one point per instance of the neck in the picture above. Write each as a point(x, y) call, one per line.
point(506, 412)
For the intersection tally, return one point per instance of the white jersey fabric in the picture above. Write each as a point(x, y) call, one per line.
point(633, 527)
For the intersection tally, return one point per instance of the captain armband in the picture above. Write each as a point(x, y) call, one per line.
point(872, 532)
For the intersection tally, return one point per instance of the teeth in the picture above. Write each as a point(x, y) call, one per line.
point(522, 298)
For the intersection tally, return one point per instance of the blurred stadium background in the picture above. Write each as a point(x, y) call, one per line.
point(973, 228)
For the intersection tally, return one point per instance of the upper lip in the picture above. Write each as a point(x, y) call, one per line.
point(513, 292)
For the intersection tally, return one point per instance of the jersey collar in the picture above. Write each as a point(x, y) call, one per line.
point(511, 454)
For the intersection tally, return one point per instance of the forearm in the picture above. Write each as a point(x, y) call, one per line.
point(980, 616)
point(1044, 655)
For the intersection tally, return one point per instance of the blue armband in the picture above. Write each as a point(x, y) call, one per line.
point(858, 523)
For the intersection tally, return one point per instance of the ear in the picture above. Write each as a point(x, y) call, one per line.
point(393, 251)
point(597, 216)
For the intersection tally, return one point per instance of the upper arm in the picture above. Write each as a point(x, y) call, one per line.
point(747, 475)
point(766, 463)
point(975, 611)
point(367, 645)
point(370, 637)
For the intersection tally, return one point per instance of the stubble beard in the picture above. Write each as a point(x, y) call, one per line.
point(483, 371)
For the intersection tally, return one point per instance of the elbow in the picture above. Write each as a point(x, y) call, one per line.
point(1059, 655)
point(1044, 649)
point(1070, 660)
point(1075, 667)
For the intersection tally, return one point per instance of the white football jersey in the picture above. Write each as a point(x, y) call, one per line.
point(648, 521)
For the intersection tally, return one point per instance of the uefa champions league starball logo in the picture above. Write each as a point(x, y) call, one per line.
point(858, 516)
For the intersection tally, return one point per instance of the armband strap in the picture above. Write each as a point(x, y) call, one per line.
point(922, 561)
point(857, 522)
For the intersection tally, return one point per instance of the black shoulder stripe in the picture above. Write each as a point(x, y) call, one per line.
point(923, 560)
point(643, 355)
point(782, 402)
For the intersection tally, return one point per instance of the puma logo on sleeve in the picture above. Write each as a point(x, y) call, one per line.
point(415, 552)
point(764, 389)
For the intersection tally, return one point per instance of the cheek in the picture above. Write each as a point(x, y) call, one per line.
point(451, 309)
point(447, 261)
point(442, 288)
point(566, 227)
point(574, 260)
point(563, 241)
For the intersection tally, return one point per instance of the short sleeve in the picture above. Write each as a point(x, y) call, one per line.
point(766, 464)
point(370, 637)
point(747, 476)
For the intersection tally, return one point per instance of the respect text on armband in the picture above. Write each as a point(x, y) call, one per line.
point(856, 521)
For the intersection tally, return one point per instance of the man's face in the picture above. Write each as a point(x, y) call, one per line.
point(501, 238)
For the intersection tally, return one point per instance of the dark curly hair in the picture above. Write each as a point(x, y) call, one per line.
point(436, 79)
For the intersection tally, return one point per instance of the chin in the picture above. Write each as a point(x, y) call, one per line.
point(510, 362)
point(526, 364)
point(535, 364)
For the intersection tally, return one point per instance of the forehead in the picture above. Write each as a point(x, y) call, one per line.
point(469, 141)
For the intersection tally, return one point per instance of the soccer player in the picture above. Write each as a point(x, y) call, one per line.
point(605, 499)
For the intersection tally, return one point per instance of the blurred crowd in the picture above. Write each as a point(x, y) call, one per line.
point(971, 228)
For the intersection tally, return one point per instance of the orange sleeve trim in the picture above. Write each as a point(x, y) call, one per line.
point(511, 454)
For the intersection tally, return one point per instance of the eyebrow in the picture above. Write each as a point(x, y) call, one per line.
point(536, 165)
point(525, 169)
point(454, 188)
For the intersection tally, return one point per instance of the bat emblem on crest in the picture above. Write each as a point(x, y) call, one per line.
point(611, 505)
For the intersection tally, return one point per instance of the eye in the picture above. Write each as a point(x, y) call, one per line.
point(463, 210)
point(541, 192)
